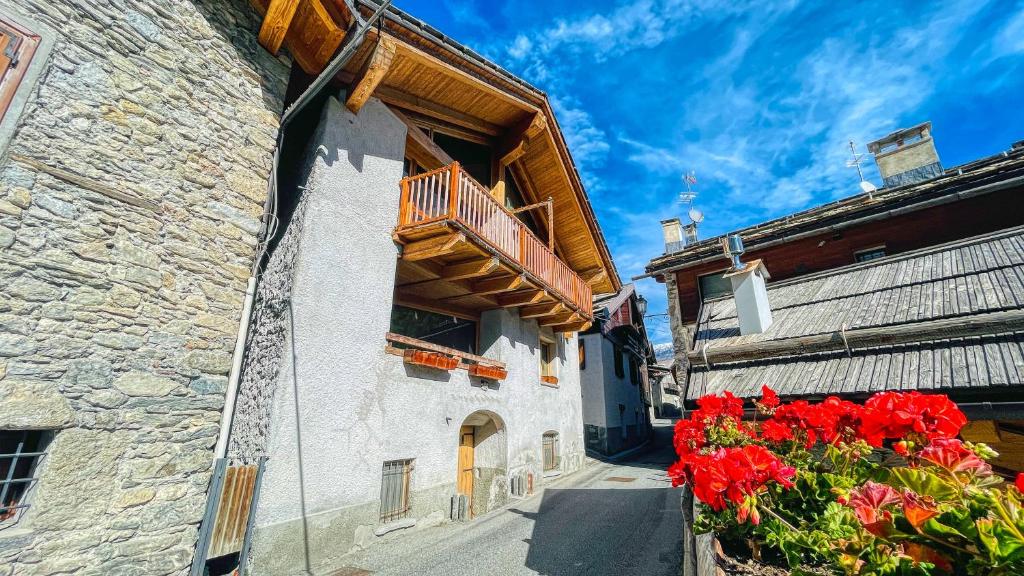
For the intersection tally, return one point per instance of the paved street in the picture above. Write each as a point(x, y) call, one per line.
point(610, 519)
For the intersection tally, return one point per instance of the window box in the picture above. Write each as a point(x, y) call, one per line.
point(488, 372)
point(431, 359)
point(552, 380)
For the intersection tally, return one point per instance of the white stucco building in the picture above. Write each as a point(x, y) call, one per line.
point(413, 354)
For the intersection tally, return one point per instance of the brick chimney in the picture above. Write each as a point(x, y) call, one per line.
point(907, 156)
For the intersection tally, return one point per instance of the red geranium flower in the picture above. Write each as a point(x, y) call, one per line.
point(774, 431)
point(769, 399)
point(1020, 482)
point(868, 500)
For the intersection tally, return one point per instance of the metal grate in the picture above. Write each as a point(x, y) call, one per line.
point(550, 445)
point(394, 490)
point(20, 453)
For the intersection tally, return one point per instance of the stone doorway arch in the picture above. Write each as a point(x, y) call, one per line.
point(482, 471)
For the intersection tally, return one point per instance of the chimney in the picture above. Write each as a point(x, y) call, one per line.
point(907, 156)
point(748, 288)
point(673, 231)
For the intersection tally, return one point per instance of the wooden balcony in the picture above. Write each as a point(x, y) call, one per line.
point(463, 251)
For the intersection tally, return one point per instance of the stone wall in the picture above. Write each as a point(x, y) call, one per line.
point(130, 198)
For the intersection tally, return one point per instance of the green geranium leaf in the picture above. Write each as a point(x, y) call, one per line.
point(924, 483)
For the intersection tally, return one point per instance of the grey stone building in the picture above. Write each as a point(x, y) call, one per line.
point(136, 142)
point(614, 357)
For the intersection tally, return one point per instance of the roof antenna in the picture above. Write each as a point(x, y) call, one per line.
point(695, 215)
point(865, 186)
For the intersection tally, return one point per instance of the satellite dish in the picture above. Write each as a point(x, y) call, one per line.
point(867, 187)
point(696, 216)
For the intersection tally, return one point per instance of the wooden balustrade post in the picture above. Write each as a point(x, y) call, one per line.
point(403, 208)
point(453, 192)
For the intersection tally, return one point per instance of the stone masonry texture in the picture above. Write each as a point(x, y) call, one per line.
point(130, 200)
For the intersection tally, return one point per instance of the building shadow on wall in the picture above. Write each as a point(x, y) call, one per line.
point(606, 532)
point(238, 23)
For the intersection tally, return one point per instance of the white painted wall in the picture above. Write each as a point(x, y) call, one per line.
point(343, 405)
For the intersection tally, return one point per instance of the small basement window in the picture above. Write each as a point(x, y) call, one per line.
point(549, 445)
point(20, 454)
point(394, 490)
point(441, 329)
point(870, 254)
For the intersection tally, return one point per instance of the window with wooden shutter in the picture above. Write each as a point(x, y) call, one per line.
point(17, 46)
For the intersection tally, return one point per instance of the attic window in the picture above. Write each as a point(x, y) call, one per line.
point(869, 254)
point(17, 46)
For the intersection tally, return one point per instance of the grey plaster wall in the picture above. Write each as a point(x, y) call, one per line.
point(130, 197)
point(592, 380)
point(609, 429)
point(343, 406)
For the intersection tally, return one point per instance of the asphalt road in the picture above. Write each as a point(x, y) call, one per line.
point(609, 519)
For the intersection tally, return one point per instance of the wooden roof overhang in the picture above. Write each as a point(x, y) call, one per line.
point(412, 67)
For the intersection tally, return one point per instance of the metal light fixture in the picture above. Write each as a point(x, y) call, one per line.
point(641, 305)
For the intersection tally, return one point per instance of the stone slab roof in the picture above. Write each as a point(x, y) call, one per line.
point(963, 279)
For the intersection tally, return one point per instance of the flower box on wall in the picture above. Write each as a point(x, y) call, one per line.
point(488, 372)
point(552, 380)
point(430, 359)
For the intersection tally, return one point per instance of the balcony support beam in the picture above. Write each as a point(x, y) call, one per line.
point(433, 247)
point(541, 310)
point(564, 318)
point(581, 326)
point(522, 298)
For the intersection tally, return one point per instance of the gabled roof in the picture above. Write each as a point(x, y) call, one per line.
point(975, 178)
point(948, 317)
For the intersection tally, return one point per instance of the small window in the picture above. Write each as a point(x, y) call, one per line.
point(634, 372)
point(20, 454)
point(582, 355)
point(714, 285)
point(618, 363)
point(547, 358)
point(550, 448)
point(394, 490)
point(870, 254)
point(17, 46)
point(441, 329)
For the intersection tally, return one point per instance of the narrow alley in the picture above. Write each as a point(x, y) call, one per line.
point(613, 518)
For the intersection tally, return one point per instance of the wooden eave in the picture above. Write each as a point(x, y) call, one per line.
point(428, 76)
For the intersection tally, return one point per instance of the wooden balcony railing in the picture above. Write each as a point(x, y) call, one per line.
point(448, 193)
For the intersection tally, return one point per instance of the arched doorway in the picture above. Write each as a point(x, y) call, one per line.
point(482, 474)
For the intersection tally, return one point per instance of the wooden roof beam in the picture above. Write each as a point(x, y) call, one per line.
point(276, 23)
point(372, 73)
point(416, 104)
point(460, 271)
point(594, 275)
point(419, 146)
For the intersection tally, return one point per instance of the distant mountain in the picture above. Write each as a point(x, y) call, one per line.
point(663, 351)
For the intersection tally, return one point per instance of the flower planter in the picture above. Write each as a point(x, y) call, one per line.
point(430, 359)
point(553, 380)
point(488, 372)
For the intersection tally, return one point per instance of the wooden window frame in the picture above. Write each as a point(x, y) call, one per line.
point(548, 367)
point(12, 75)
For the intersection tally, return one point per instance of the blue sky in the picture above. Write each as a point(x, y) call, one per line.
point(758, 98)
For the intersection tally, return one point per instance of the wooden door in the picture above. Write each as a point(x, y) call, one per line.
point(465, 480)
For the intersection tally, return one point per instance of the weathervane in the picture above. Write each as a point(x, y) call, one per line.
point(854, 162)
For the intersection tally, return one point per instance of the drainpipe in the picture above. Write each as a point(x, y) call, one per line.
point(270, 223)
